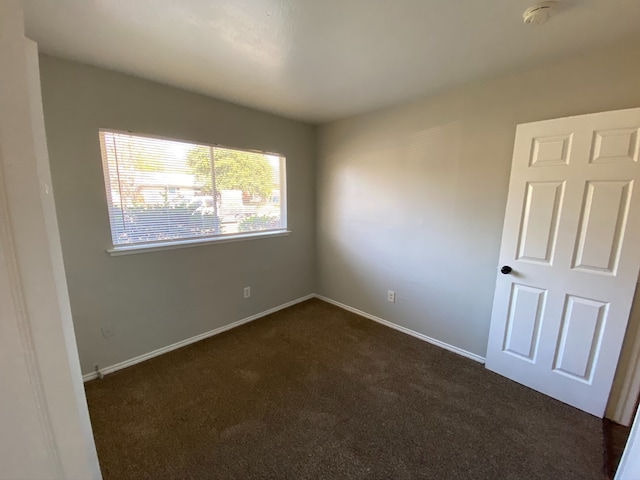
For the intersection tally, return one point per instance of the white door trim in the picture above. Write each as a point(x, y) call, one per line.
point(623, 410)
point(43, 409)
point(631, 388)
point(629, 467)
point(12, 296)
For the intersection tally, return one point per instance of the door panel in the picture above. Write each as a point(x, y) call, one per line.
point(572, 236)
point(615, 146)
point(523, 324)
point(540, 221)
point(581, 330)
point(602, 224)
point(551, 151)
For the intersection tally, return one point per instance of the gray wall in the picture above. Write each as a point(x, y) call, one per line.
point(156, 299)
point(412, 198)
point(409, 199)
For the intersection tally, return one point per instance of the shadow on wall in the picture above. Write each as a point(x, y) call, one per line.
point(393, 208)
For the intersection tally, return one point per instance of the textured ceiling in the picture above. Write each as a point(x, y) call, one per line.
point(319, 60)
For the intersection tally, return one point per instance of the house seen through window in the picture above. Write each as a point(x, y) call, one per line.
point(163, 191)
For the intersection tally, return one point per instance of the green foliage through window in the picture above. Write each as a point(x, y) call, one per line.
point(234, 170)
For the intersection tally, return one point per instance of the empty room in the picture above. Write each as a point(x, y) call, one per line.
point(292, 239)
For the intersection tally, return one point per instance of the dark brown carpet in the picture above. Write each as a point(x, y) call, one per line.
point(315, 392)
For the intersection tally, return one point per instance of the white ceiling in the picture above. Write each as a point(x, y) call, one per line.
point(319, 60)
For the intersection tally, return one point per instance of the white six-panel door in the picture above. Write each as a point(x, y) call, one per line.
point(572, 239)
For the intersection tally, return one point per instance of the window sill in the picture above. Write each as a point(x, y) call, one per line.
point(156, 247)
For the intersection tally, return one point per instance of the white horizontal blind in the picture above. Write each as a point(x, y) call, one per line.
point(161, 190)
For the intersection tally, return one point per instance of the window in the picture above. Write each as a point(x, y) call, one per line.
point(162, 191)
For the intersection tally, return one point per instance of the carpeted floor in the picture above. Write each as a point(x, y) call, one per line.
point(315, 392)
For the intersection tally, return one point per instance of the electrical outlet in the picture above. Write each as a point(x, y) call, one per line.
point(391, 296)
point(107, 331)
point(247, 292)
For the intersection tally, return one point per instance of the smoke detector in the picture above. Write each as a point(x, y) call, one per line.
point(539, 13)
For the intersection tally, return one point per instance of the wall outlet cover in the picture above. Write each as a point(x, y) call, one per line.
point(107, 331)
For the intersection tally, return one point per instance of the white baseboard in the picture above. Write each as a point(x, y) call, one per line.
point(216, 331)
point(408, 331)
point(188, 341)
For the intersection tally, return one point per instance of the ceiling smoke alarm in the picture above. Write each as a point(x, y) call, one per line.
point(539, 13)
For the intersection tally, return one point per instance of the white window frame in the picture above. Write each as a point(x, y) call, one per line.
point(154, 246)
